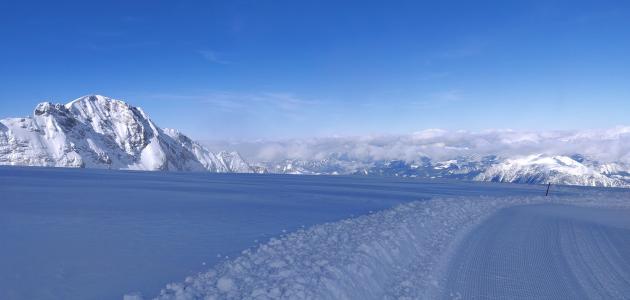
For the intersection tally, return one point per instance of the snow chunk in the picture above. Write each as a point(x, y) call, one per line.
point(152, 156)
point(225, 284)
point(132, 296)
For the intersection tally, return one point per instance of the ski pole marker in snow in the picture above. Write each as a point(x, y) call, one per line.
point(548, 186)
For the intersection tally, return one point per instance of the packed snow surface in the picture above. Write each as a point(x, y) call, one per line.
point(524, 248)
point(98, 234)
point(544, 252)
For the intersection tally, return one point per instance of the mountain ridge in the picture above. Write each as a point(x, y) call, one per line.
point(95, 131)
point(531, 169)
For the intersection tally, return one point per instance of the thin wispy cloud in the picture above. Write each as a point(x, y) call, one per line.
point(447, 96)
point(133, 19)
point(104, 33)
point(284, 102)
point(438, 99)
point(462, 52)
point(213, 57)
point(287, 101)
point(118, 45)
point(433, 76)
point(464, 48)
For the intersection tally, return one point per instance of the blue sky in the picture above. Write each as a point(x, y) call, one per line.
point(280, 69)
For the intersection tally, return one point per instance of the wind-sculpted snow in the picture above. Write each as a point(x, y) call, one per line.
point(100, 132)
point(401, 253)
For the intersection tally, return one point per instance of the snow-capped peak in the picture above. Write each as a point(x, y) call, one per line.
point(539, 168)
point(101, 132)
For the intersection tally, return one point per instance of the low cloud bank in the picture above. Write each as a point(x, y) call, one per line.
point(605, 145)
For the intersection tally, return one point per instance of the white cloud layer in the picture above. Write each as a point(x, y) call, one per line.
point(606, 145)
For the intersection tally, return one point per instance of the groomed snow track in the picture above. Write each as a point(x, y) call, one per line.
point(544, 252)
point(470, 248)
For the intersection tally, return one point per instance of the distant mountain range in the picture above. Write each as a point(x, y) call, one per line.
point(99, 132)
point(585, 157)
point(533, 169)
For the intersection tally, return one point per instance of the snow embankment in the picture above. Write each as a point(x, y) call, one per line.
point(399, 253)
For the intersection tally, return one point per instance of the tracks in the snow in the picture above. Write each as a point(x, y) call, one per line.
point(544, 252)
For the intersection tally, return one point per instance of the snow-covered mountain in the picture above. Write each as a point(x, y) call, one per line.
point(598, 157)
point(100, 132)
point(534, 169)
point(548, 169)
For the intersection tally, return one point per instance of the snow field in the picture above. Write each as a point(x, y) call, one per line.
point(400, 253)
